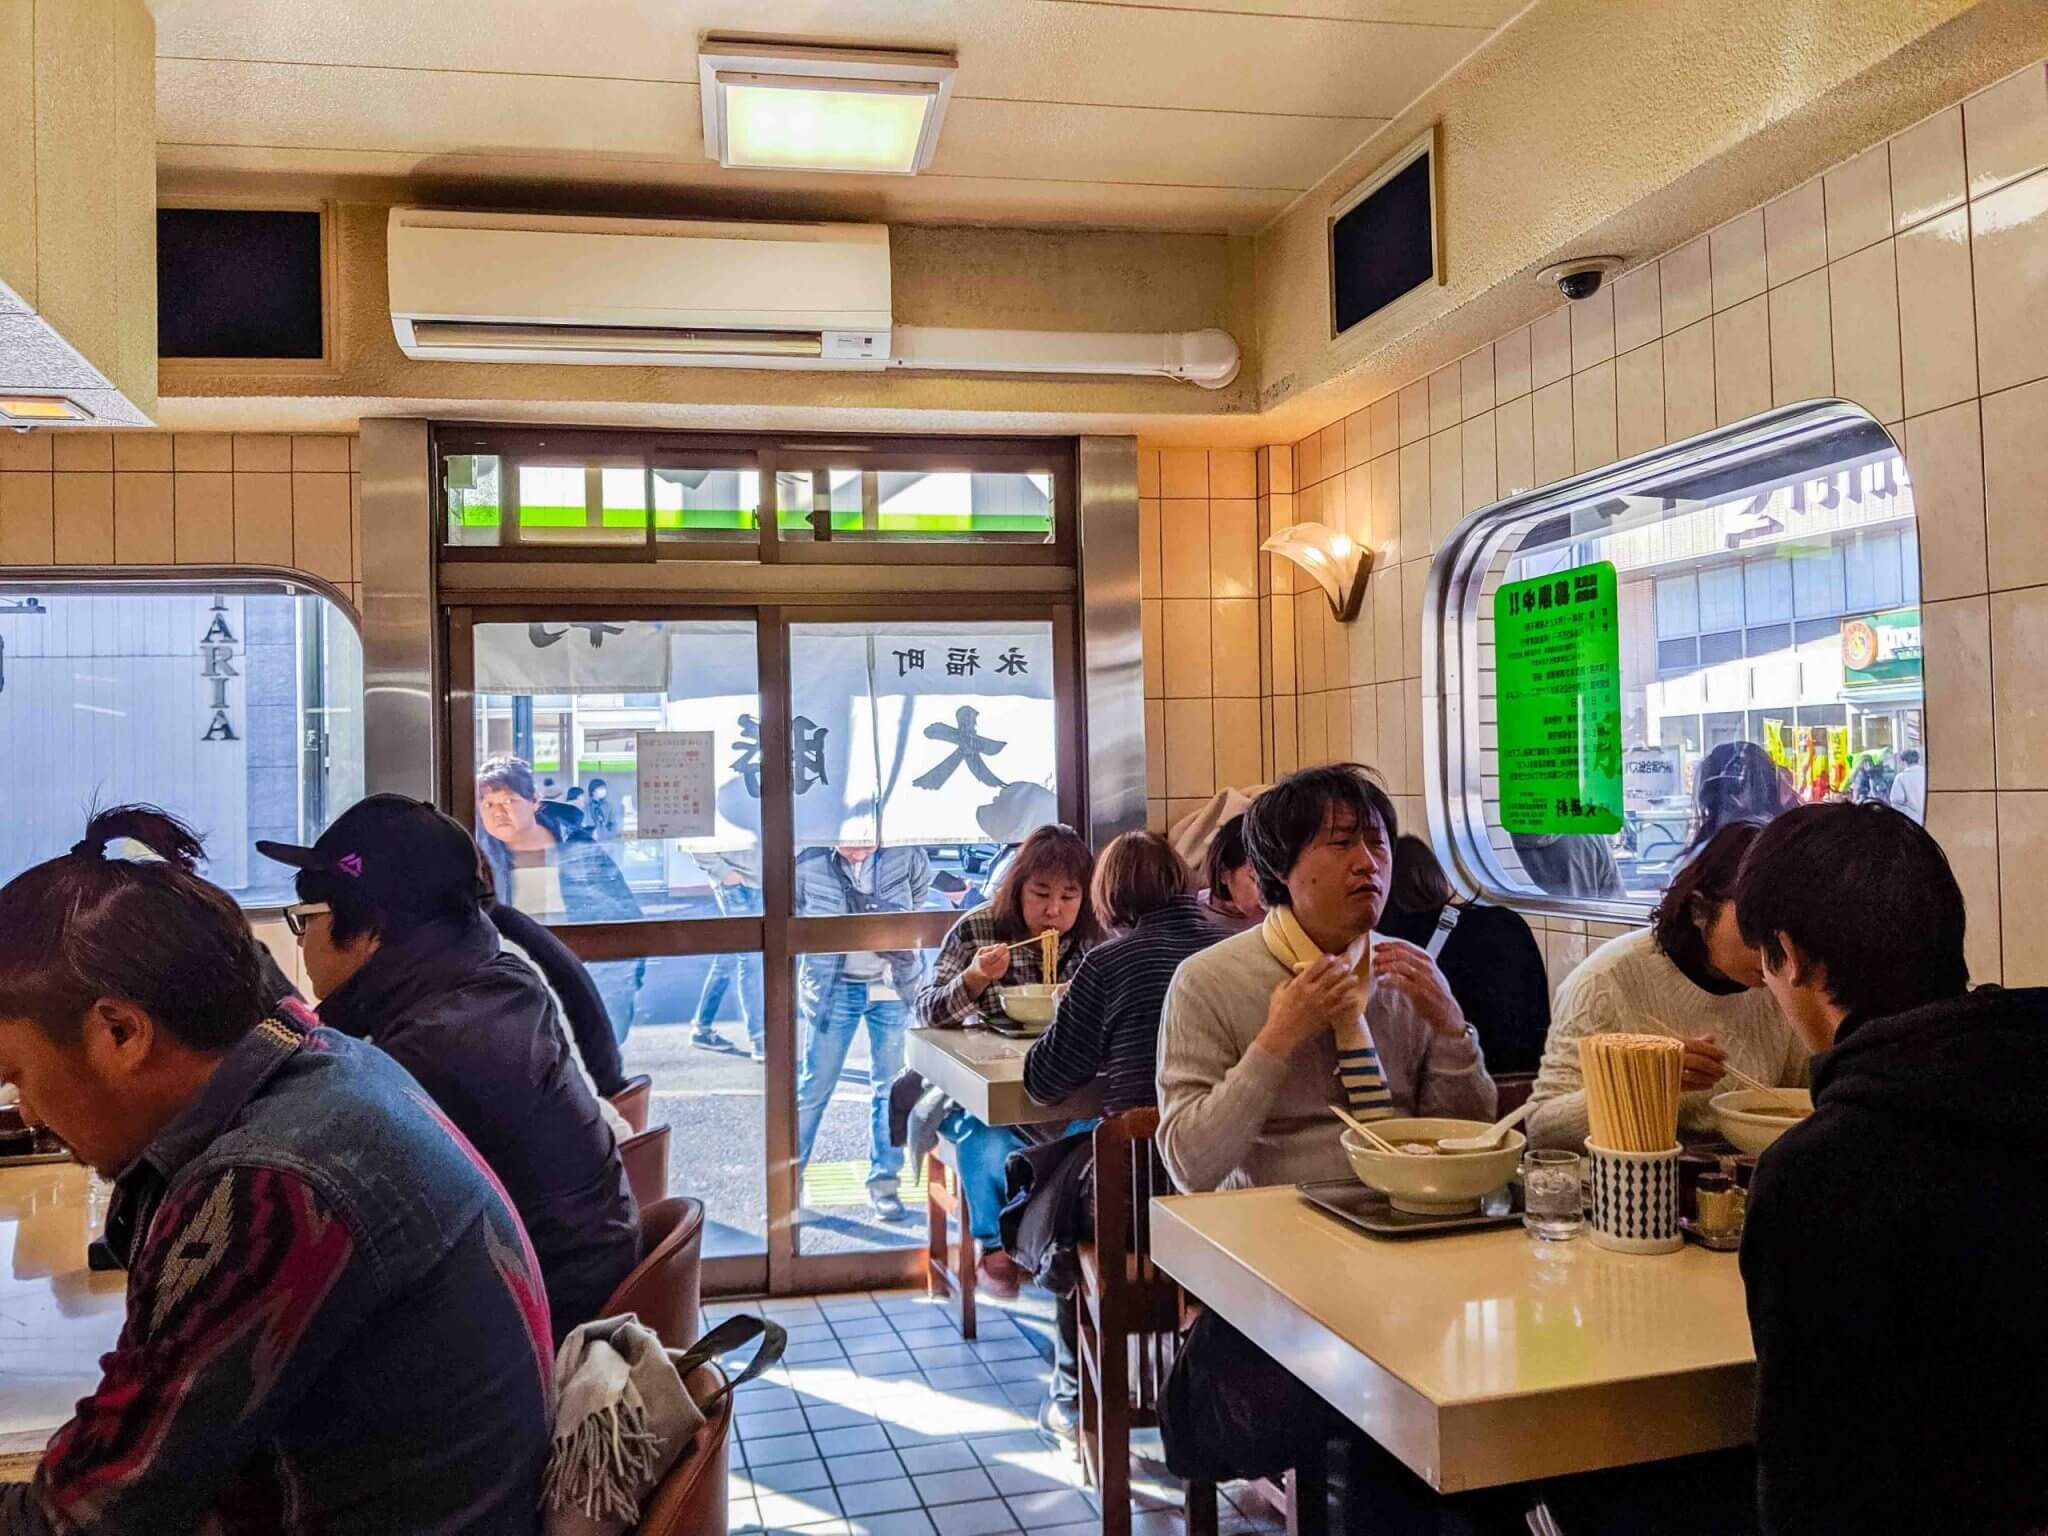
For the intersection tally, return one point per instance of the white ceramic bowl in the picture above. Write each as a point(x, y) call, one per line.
point(1031, 1003)
point(1448, 1184)
point(1744, 1123)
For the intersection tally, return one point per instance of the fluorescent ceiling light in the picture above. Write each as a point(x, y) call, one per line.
point(822, 109)
point(36, 410)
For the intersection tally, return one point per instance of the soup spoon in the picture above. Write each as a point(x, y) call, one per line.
point(1489, 1138)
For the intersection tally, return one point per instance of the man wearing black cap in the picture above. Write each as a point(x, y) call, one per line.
point(398, 948)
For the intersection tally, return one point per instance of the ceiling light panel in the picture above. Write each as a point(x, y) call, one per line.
point(822, 109)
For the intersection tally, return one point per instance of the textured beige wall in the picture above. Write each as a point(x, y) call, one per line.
point(1912, 279)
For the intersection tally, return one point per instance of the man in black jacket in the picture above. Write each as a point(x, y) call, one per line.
point(398, 948)
point(1896, 1252)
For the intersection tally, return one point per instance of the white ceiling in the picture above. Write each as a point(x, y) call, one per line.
point(1171, 114)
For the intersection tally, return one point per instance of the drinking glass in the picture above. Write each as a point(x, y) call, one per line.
point(1552, 1208)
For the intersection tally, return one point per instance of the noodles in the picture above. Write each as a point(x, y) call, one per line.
point(1632, 1087)
point(1049, 956)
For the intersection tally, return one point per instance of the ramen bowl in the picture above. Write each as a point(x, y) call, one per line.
point(1446, 1184)
point(1753, 1120)
point(1031, 1003)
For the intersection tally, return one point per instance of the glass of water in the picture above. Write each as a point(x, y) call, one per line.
point(1552, 1209)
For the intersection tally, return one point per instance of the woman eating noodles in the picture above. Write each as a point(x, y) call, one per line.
point(1687, 974)
point(1043, 891)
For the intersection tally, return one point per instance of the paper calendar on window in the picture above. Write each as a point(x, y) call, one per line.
point(677, 785)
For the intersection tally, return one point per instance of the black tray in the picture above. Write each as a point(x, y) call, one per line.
point(1370, 1211)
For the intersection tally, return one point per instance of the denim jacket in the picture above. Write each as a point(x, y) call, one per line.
point(335, 1323)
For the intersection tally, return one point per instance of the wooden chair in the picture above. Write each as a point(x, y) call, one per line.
point(691, 1500)
point(646, 1160)
point(631, 1101)
point(665, 1289)
point(949, 1265)
point(1514, 1089)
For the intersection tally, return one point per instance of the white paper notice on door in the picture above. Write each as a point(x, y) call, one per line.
point(677, 785)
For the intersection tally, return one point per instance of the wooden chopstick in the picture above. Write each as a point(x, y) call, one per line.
point(1730, 1069)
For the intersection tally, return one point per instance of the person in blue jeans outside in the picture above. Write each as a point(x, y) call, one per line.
point(736, 887)
point(1046, 886)
point(838, 995)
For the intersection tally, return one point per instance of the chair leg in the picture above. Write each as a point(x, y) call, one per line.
point(1201, 1513)
point(935, 1225)
point(1112, 1366)
point(967, 1266)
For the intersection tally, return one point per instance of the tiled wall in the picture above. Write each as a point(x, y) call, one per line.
point(1912, 280)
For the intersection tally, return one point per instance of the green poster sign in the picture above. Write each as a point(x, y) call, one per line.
point(1881, 650)
point(1557, 659)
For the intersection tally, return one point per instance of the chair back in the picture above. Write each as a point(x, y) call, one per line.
point(665, 1288)
point(1513, 1089)
point(691, 1500)
point(1144, 1303)
point(631, 1101)
point(646, 1160)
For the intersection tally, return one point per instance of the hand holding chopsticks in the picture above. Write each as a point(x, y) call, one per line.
point(1782, 1095)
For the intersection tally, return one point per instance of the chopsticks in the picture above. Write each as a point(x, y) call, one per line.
point(1358, 1125)
point(1782, 1095)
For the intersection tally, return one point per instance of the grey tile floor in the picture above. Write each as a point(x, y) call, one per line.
point(882, 1421)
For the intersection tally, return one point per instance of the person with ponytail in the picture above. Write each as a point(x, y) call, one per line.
point(335, 1322)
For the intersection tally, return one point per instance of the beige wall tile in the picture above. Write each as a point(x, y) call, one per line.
point(1414, 477)
point(1152, 646)
point(1742, 361)
point(1284, 515)
point(1957, 636)
point(1511, 365)
point(270, 453)
point(1233, 549)
point(144, 524)
point(1313, 730)
point(1927, 168)
point(1308, 462)
point(1336, 646)
point(1155, 816)
point(206, 517)
point(1863, 296)
point(1286, 735)
point(1311, 614)
point(323, 540)
point(1592, 329)
point(1515, 431)
point(1358, 504)
point(1361, 643)
point(1638, 309)
point(1795, 234)
point(142, 450)
point(1689, 380)
point(1383, 594)
point(2009, 252)
point(1148, 472)
point(27, 520)
point(2019, 662)
point(1148, 547)
point(1190, 748)
point(1475, 381)
point(2005, 130)
point(2016, 532)
point(1392, 718)
point(1183, 473)
point(1446, 484)
point(1937, 322)
point(25, 452)
point(1553, 408)
point(1384, 497)
point(1337, 725)
point(1411, 709)
point(1363, 704)
point(1232, 473)
point(1357, 439)
point(1331, 445)
point(83, 508)
point(1239, 761)
point(1737, 249)
point(1550, 348)
point(1593, 418)
point(1284, 476)
point(1802, 351)
point(207, 451)
point(1234, 643)
point(1686, 282)
point(1155, 751)
point(1414, 587)
point(1384, 417)
point(2022, 855)
point(1184, 626)
point(1945, 461)
point(1639, 400)
point(1414, 407)
point(1184, 548)
point(1859, 203)
point(263, 519)
point(81, 451)
point(1178, 811)
point(1480, 457)
point(1446, 397)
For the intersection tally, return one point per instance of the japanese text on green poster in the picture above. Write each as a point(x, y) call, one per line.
point(1557, 650)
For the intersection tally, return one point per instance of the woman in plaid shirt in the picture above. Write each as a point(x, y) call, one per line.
point(1045, 887)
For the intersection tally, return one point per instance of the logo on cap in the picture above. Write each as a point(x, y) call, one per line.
point(351, 865)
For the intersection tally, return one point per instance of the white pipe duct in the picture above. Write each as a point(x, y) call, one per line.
point(1209, 359)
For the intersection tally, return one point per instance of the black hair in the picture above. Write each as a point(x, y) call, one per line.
point(1050, 850)
point(1696, 893)
point(1139, 873)
point(1225, 858)
point(1910, 757)
point(1286, 818)
point(1866, 893)
point(151, 933)
point(1419, 883)
point(506, 772)
point(575, 792)
point(1737, 781)
point(597, 784)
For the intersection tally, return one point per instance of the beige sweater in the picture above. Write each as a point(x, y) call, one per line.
point(1231, 1117)
point(1620, 987)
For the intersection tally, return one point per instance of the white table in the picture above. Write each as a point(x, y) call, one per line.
point(1481, 1359)
point(983, 1072)
point(56, 1317)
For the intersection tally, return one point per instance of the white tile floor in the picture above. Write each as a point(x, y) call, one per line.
point(883, 1421)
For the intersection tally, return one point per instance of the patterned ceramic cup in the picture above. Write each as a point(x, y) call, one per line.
point(1635, 1200)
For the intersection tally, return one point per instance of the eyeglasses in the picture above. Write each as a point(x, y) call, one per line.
point(295, 916)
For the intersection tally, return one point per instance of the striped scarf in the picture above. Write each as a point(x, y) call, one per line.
point(1358, 1059)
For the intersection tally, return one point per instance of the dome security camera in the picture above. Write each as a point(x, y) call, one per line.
point(1581, 277)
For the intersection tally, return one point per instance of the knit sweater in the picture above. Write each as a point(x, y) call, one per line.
point(1231, 1117)
point(1621, 987)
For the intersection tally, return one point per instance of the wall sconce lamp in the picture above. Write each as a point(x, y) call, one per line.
point(1338, 564)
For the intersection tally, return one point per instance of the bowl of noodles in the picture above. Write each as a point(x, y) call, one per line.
point(1032, 1003)
point(1753, 1120)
